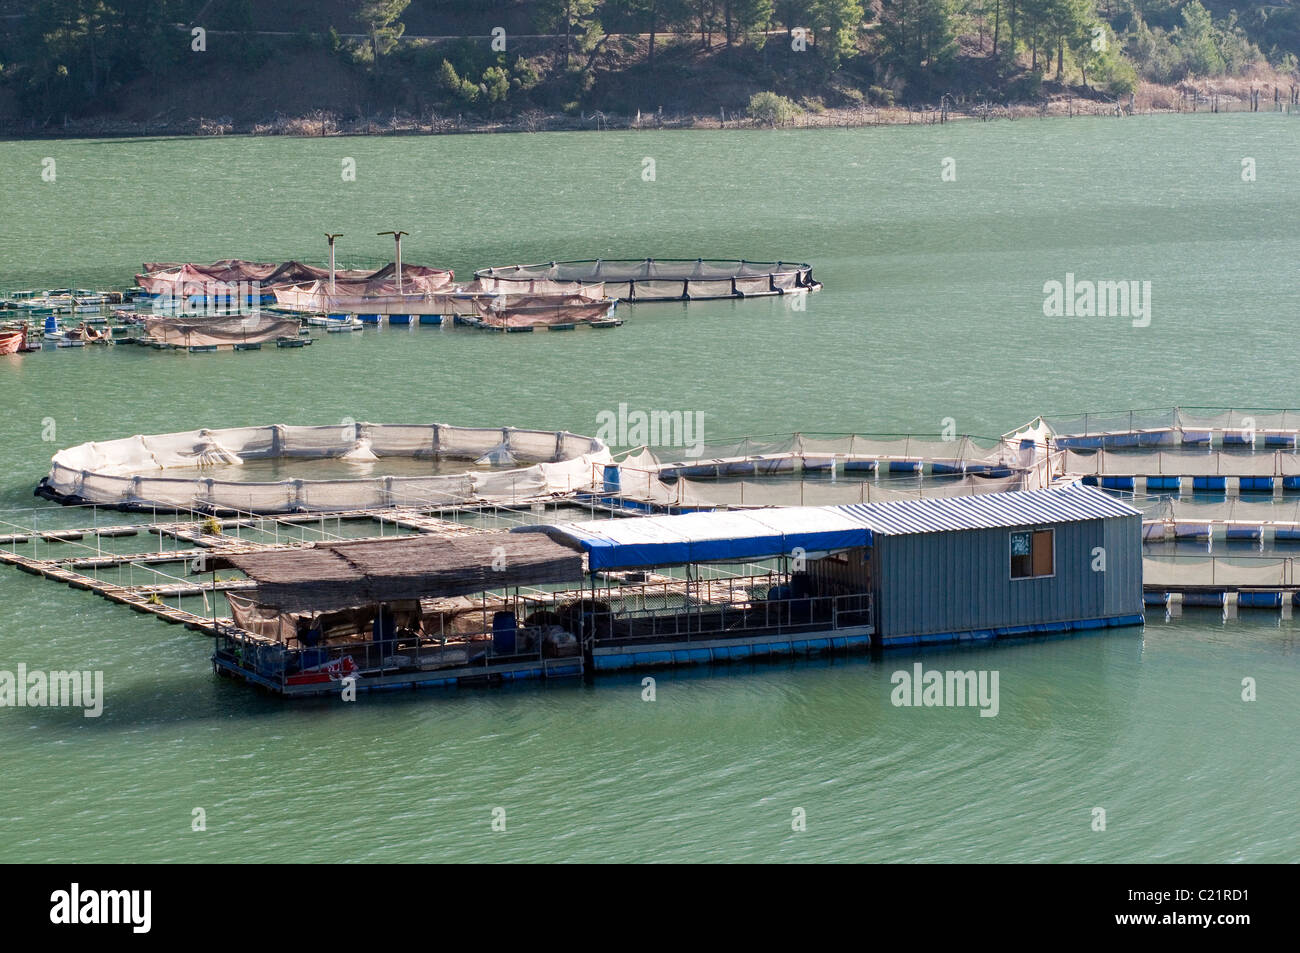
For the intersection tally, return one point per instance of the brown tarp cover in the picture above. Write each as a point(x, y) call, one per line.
point(374, 297)
point(516, 311)
point(340, 575)
point(223, 330)
point(189, 278)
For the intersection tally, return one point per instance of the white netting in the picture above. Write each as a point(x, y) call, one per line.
point(1216, 571)
point(133, 471)
point(1177, 463)
point(1186, 425)
point(786, 452)
point(1284, 513)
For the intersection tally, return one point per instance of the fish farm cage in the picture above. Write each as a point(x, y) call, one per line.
point(132, 473)
point(657, 279)
point(802, 469)
point(1193, 427)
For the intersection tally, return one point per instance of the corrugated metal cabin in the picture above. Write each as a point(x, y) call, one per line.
point(939, 570)
point(1001, 564)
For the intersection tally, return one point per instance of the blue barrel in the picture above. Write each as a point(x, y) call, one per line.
point(51, 323)
point(612, 484)
point(503, 633)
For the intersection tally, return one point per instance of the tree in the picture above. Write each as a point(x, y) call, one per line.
point(790, 13)
point(1198, 41)
point(838, 21)
point(496, 84)
point(751, 18)
point(569, 17)
point(919, 34)
point(655, 17)
point(380, 20)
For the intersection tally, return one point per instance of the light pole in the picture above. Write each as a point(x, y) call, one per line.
point(331, 238)
point(398, 236)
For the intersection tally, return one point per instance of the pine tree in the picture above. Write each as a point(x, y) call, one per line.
point(380, 19)
point(569, 17)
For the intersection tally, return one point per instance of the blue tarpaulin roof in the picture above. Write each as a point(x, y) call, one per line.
point(646, 541)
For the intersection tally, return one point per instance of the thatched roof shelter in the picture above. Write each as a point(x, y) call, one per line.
point(339, 575)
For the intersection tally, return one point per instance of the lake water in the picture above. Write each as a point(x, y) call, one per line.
point(932, 310)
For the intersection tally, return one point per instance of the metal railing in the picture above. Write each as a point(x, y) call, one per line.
point(703, 621)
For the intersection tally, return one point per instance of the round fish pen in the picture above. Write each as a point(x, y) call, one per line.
point(359, 466)
point(806, 469)
point(655, 279)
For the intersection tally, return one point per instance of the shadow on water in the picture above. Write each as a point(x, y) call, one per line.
point(198, 698)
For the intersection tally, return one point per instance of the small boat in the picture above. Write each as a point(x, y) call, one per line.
point(606, 322)
point(255, 346)
point(318, 320)
point(79, 336)
point(325, 672)
point(202, 348)
point(519, 329)
point(13, 342)
point(293, 342)
point(345, 326)
point(91, 335)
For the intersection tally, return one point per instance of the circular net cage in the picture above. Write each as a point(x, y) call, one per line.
point(655, 279)
point(165, 471)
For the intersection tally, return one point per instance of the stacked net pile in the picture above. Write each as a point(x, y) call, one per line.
point(131, 472)
point(652, 279)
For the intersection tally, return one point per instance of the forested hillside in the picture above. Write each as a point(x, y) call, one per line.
point(68, 61)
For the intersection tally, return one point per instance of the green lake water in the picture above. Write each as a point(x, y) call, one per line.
point(932, 310)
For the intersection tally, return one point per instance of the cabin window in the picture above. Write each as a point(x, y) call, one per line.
point(1033, 553)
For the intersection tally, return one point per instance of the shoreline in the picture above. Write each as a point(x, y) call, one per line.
point(1149, 101)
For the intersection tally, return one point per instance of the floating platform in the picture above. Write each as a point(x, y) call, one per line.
point(656, 279)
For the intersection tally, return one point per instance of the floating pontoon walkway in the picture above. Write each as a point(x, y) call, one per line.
point(75, 570)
